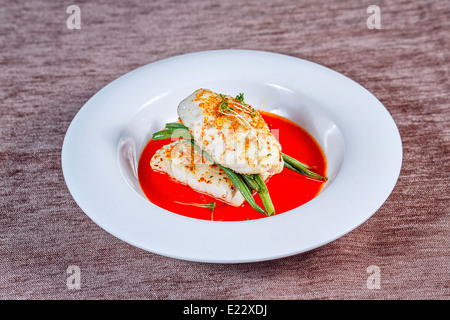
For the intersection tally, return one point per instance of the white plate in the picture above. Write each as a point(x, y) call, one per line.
point(105, 139)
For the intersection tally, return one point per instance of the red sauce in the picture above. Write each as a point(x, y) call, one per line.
point(288, 190)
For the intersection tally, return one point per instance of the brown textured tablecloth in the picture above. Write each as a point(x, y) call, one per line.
point(49, 71)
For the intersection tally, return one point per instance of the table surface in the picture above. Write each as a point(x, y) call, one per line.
point(48, 72)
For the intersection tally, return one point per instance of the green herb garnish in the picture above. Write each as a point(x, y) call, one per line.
point(223, 105)
point(240, 98)
point(211, 206)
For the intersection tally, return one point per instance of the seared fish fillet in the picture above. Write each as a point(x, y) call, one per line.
point(233, 133)
point(185, 165)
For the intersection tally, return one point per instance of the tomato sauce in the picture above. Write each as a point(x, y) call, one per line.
point(288, 190)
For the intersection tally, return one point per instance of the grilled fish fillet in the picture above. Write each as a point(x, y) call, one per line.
point(185, 165)
point(233, 133)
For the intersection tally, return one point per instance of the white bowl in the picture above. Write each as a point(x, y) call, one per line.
point(356, 132)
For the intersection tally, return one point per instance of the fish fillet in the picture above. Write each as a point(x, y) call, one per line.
point(233, 133)
point(185, 165)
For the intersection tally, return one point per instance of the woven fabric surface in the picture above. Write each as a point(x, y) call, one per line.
point(48, 72)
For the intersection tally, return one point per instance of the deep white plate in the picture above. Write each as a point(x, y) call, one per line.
point(105, 139)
